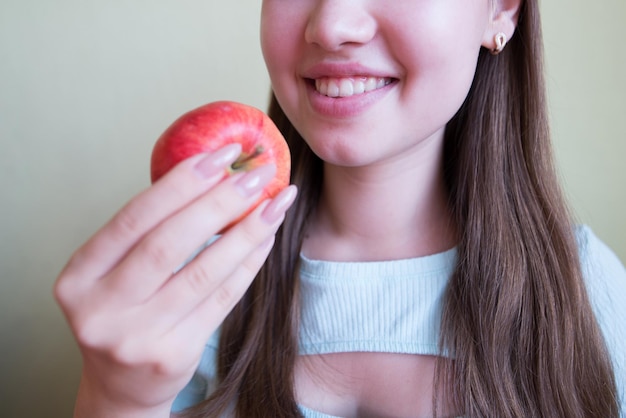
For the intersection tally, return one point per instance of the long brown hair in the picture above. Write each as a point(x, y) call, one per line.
point(516, 318)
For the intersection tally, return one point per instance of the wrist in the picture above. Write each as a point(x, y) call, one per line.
point(92, 408)
point(94, 403)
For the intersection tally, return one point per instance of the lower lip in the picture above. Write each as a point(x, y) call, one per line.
point(344, 107)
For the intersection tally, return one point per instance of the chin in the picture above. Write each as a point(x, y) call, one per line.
point(339, 144)
point(344, 155)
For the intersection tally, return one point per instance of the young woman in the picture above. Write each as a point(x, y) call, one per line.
point(428, 268)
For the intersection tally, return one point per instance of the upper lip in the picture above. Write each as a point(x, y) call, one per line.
point(339, 70)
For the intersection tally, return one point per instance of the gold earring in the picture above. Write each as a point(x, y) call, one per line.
point(500, 40)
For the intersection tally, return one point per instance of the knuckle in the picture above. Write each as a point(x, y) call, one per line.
point(225, 297)
point(63, 292)
point(127, 354)
point(127, 223)
point(250, 267)
point(124, 349)
point(160, 366)
point(156, 359)
point(199, 279)
point(156, 253)
point(68, 286)
point(224, 207)
point(219, 206)
point(174, 188)
point(89, 333)
point(249, 233)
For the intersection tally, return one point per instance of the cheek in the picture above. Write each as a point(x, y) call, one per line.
point(282, 28)
point(441, 63)
point(440, 89)
point(280, 34)
point(270, 39)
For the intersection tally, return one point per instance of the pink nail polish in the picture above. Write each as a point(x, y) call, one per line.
point(254, 181)
point(217, 161)
point(279, 205)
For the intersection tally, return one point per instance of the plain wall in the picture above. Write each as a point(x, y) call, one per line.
point(87, 86)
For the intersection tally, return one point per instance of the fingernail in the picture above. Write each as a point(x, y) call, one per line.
point(255, 180)
point(215, 163)
point(279, 205)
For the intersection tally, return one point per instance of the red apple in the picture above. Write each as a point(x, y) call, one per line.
point(214, 125)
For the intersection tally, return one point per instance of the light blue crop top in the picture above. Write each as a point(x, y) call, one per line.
point(395, 306)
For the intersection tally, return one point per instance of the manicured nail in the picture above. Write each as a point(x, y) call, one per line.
point(279, 205)
point(254, 181)
point(215, 162)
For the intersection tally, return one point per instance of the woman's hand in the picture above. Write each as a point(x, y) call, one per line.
point(140, 320)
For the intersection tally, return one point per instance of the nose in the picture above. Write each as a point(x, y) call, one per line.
point(335, 23)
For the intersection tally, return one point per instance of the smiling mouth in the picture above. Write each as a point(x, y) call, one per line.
point(349, 86)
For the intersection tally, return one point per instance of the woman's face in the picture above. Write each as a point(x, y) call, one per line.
point(365, 81)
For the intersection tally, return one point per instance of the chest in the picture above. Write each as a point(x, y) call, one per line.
point(367, 384)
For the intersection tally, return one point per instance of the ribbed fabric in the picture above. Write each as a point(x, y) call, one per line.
point(391, 306)
point(395, 306)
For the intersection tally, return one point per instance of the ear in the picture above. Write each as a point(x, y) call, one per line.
point(504, 15)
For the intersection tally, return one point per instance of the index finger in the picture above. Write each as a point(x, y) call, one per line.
point(183, 184)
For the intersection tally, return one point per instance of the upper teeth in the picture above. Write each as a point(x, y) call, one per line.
point(346, 87)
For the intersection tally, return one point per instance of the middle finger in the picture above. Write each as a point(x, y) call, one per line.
point(164, 249)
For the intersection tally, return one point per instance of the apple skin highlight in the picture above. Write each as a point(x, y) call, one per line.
point(214, 125)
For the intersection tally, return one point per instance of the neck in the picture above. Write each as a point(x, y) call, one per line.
point(390, 210)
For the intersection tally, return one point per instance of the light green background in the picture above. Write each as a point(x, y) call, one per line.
point(87, 86)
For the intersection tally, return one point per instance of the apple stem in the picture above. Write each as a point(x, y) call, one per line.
point(244, 158)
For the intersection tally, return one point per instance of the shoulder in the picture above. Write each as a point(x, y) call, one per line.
point(605, 280)
point(604, 273)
